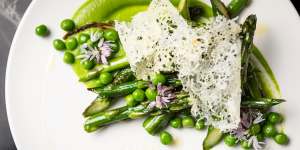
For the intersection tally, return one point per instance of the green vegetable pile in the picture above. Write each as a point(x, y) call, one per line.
point(114, 79)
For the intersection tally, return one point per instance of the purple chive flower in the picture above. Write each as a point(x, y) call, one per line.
point(151, 105)
point(101, 53)
point(248, 117)
point(246, 120)
point(105, 48)
point(89, 53)
point(255, 143)
point(95, 36)
point(164, 96)
point(240, 132)
point(259, 118)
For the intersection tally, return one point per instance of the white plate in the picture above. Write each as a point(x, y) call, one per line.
point(44, 99)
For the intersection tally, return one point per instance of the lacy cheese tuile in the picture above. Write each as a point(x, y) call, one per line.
point(207, 58)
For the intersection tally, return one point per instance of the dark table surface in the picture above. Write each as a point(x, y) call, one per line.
point(11, 12)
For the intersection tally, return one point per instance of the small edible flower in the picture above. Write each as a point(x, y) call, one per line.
point(100, 53)
point(164, 96)
point(95, 36)
point(105, 48)
point(255, 143)
point(259, 118)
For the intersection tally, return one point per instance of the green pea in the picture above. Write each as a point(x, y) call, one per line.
point(106, 78)
point(71, 43)
point(260, 137)
point(245, 144)
point(269, 130)
point(159, 78)
point(88, 65)
point(67, 25)
point(114, 46)
point(110, 35)
point(69, 58)
point(130, 101)
point(98, 83)
point(151, 94)
point(166, 138)
point(59, 44)
point(230, 140)
point(138, 95)
point(281, 139)
point(176, 123)
point(188, 122)
point(200, 124)
point(83, 38)
point(254, 129)
point(274, 117)
point(42, 30)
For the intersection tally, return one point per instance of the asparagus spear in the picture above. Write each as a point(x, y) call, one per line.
point(248, 29)
point(121, 89)
point(101, 103)
point(111, 116)
point(108, 117)
point(154, 124)
point(128, 87)
point(123, 76)
point(183, 8)
point(116, 64)
point(219, 8)
point(261, 103)
point(235, 7)
point(119, 77)
point(98, 105)
point(99, 120)
point(173, 81)
point(213, 137)
point(253, 85)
